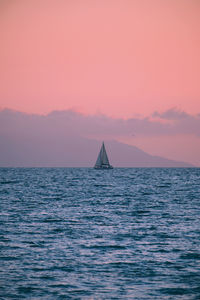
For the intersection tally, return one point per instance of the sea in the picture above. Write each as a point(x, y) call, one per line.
point(80, 233)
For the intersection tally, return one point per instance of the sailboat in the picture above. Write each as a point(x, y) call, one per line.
point(102, 159)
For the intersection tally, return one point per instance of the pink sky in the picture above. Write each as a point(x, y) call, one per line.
point(122, 58)
point(117, 57)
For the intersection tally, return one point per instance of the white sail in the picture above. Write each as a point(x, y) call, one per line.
point(102, 159)
point(98, 162)
point(105, 160)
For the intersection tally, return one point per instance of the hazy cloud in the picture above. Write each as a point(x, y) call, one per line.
point(171, 114)
point(70, 123)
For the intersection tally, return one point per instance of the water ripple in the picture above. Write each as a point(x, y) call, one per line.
point(83, 234)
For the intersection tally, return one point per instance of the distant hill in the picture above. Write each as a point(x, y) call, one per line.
point(49, 141)
point(76, 152)
point(131, 156)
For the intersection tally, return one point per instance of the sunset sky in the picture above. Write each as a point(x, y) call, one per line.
point(121, 58)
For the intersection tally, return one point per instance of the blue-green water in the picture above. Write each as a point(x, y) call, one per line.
point(89, 234)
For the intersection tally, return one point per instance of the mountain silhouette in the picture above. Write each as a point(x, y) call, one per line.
point(75, 152)
point(51, 141)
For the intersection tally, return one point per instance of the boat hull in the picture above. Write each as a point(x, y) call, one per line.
point(103, 168)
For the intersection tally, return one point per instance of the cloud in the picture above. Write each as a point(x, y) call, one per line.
point(171, 114)
point(71, 123)
point(101, 125)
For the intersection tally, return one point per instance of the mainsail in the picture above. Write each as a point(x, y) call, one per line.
point(102, 159)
